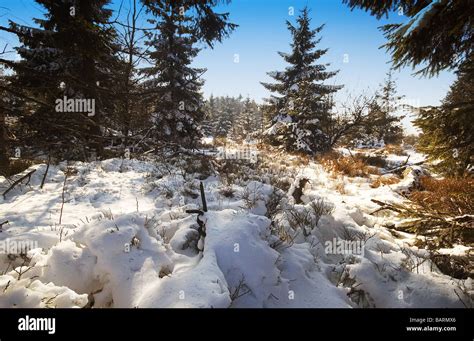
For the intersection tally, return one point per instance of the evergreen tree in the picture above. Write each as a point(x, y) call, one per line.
point(4, 145)
point(382, 123)
point(71, 54)
point(248, 120)
point(209, 25)
point(301, 112)
point(225, 118)
point(438, 34)
point(447, 131)
point(390, 129)
point(208, 125)
point(175, 86)
point(236, 108)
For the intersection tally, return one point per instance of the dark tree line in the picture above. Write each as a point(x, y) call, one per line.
point(83, 54)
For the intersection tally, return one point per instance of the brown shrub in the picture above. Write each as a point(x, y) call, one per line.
point(454, 196)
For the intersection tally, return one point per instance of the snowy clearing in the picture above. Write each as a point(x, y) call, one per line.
point(125, 240)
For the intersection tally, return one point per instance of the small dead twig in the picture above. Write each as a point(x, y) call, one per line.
point(236, 293)
point(20, 272)
point(67, 172)
point(350, 153)
point(46, 172)
point(6, 286)
point(3, 223)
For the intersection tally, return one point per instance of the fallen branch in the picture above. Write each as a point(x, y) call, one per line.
point(444, 228)
point(400, 169)
point(203, 197)
point(16, 182)
point(201, 223)
point(383, 206)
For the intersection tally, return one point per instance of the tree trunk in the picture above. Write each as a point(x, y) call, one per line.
point(4, 159)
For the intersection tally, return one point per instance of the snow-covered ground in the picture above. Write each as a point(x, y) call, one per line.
point(125, 240)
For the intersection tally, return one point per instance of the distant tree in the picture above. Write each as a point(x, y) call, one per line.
point(383, 124)
point(208, 124)
point(300, 110)
point(438, 34)
point(225, 118)
point(248, 122)
point(447, 131)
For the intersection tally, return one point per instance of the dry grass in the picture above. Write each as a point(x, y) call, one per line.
point(227, 191)
point(285, 238)
point(340, 187)
point(385, 180)
point(336, 163)
point(301, 159)
point(252, 195)
point(395, 149)
point(274, 202)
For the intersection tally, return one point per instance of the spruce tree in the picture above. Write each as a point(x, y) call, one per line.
point(248, 120)
point(447, 131)
point(390, 129)
point(382, 124)
point(300, 111)
point(4, 145)
point(209, 25)
point(208, 124)
point(225, 118)
point(175, 86)
point(72, 54)
point(437, 34)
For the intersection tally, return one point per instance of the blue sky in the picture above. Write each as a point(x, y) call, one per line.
point(262, 32)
